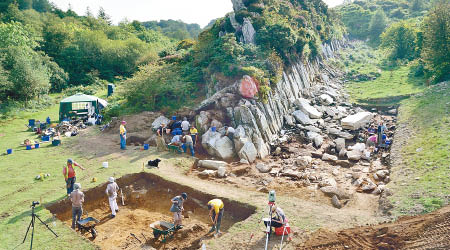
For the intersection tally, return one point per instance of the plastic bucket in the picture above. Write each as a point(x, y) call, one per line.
point(56, 142)
point(105, 164)
point(36, 145)
point(46, 138)
point(146, 146)
point(28, 147)
point(9, 151)
point(213, 129)
point(174, 118)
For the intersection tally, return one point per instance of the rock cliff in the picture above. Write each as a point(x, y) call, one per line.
point(306, 87)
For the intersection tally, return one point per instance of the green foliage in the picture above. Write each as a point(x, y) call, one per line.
point(174, 29)
point(400, 40)
point(157, 87)
point(356, 19)
point(436, 44)
point(377, 25)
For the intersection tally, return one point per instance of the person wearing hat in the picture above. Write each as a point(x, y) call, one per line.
point(123, 135)
point(177, 209)
point(111, 191)
point(77, 199)
point(70, 175)
point(215, 208)
point(185, 126)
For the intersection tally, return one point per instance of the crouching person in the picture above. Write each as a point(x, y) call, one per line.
point(77, 198)
point(111, 191)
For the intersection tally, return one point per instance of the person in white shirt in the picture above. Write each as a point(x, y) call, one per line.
point(229, 131)
point(111, 191)
point(185, 125)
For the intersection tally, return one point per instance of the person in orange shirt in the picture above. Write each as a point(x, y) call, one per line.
point(70, 175)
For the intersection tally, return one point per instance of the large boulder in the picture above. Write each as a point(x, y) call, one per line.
point(224, 148)
point(240, 138)
point(210, 164)
point(262, 148)
point(356, 121)
point(333, 190)
point(248, 87)
point(326, 99)
point(158, 121)
point(209, 140)
point(302, 117)
point(354, 155)
point(318, 141)
point(303, 105)
point(248, 152)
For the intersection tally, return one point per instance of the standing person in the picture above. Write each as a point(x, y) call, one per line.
point(77, 199)
point(188, 143)
point(380, 131)
point(185, 126)
point(229, 131)
point(160, 142)
point(123, 135)
point(111, 191)
point(70, 175)
point(215, 208)
point(177, 208)
point(193, 131)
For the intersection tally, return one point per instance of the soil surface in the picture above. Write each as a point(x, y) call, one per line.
point(147, 200)
point(431, 231)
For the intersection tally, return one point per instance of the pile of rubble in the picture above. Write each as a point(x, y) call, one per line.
point(71, 128)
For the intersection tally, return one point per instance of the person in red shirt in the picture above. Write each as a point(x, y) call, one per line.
point(70, 175)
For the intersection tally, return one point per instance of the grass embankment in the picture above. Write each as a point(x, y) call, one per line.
point(18, 187)
point(422, 183)
point(391, 85)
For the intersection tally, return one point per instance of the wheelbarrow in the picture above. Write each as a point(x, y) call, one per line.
point(166, 229)
point(88, 225)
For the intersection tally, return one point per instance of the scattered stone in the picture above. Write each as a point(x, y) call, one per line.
point(263, 190)
point(210, 164)
point(335, 201)
point(244, 161)
point(207, 173)
point(344, 163)
point(263, 168)
point(343, 153)
point(240, 170)
point(356, 121)
point(365, 170)
point(221, 172)
point(330, 191)
point(335, 172)
point(317, 154)
point(340, 144)
point(356, 175)
point(301, 117)
point(368, 187)
point(382, 173)
point(328, 182)
point(305, 107)
point(303, 162)
point(277, 151)
point(354, 155)
point(326, 99)
point(318, 141)
point(328, 157)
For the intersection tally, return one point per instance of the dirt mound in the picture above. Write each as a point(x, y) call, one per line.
point(147, 200)
point(431, 231)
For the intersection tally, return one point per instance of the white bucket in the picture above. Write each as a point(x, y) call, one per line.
point(105, 164)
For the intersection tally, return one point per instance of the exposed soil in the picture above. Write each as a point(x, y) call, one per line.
point(431, 231)
point(147, 199)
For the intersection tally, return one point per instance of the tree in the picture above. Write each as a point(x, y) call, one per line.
point(417, 5)
point(400, 39)
point(436, 45)
point(377, 25)
point(103, 16)
point(356, 19)
point(88, 12)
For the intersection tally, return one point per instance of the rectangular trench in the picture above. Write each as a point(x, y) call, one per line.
point(147, 199)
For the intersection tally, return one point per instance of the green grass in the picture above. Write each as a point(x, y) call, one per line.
point(387, 89)
point(18, 187)
point(427, 153)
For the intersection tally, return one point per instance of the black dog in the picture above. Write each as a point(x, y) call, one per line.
point(154, 163)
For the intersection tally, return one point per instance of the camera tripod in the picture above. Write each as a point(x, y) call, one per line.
point(33, 219)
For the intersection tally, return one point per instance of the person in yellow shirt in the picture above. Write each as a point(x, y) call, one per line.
point(193, 131)
point(123, 135)
point(215, 208)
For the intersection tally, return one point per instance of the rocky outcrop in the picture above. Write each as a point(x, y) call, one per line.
point(238, 5)
point(248, 31)
point(260, 122)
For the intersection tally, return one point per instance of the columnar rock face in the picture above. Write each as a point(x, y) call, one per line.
point(248, 31)
point(238, 5)
point(259, 123)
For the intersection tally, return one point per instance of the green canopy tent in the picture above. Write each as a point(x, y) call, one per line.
point(80, 105)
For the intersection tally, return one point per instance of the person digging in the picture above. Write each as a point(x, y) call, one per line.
point(215, 208)
point(77, 199)
point(111, 191)
point(70, 175)
point(177, 209)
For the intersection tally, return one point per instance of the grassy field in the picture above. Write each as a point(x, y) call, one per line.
point(422, 182)
point(18, 187)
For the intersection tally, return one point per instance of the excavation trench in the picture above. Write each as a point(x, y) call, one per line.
point(147, 199)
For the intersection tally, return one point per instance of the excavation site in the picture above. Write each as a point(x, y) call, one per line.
point(146, 199)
